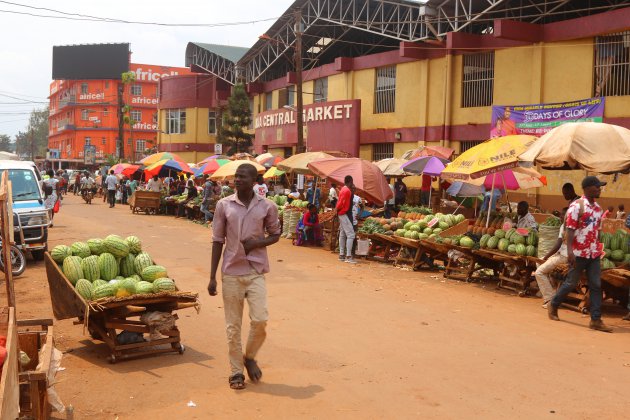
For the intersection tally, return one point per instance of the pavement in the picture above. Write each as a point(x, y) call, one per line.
point(344, 341)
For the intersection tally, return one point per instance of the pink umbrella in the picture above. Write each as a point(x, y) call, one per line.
point(367, 177)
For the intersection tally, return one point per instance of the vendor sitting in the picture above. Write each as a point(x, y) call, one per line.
point(191, 195)
point(525, 218)
point(312, 228)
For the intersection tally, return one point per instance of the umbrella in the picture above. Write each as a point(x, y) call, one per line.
point(492, 155)
point(126, 169)
point(211, 166)
point(595, 147)
point(229, 169)
point(273, 172)
point(427, 165)
point(165, 167)
point(209, 158)
point(156, 157)
point(391, 166)
point(508, 179)
point(243, 156)
point(437, 151)
point(299, 163)
point(268, 160)
point(464, 189)
point(367, 177)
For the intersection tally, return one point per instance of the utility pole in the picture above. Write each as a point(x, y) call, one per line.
point(120, 143)
point(32, 146)
point(298, 29)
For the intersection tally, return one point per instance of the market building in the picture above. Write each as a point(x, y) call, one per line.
point(379, 81)
point(83, 122)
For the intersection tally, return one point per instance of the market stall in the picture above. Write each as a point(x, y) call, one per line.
point(145, 201)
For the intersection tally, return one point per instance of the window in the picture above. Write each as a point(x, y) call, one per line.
point(105, 112)
point(251, 110)
point(103, 141)
point(84, 88)
point(136, 90)
point(175, 121)
point(382, 151)
point(141, 146)
point(268, 100)
point(136, 116)
point(465, 145)
point(85, 114)
point(478, 79)
point(88, 141)
point(321, 90)
point(612, 65)
point(291, 96)
point(385, 90)
point(212, 122)
point(155, 118)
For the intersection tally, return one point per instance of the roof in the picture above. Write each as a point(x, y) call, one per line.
point(228, 52)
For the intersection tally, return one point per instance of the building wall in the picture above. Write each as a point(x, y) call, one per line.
point(196, 143)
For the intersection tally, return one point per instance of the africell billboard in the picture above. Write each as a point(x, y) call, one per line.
point(328, 126)
point(538, 119)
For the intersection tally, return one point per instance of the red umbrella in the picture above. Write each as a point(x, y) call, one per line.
point(367, 177)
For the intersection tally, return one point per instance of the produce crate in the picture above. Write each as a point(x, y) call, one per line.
point(37, 342)
point(145, 201)
point(104, 317)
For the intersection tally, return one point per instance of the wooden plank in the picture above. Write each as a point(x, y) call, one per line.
point(66, 302)
point(9, 381)
point(34, 322)
point(158, 342)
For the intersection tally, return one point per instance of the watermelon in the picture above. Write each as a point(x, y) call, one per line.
point(503, 244)
point(532, 238)
point(520, 249)
point(428, 231)
point(466, 242)
point(626, 258)
point(153, 272)
point(116, 246)
point(615, 243)
point(531, 251)
point(414, 235)
point(142, 261)
point(163, 285)
point(84, 288)
point(107, 266)
point(144, 287)
point(90, 268)
point(136, 277)
point(126, 287)
point(119, 278)
point(407, 225)
point(493, 242)
point(483, 242)
point(517, 239)
point(134, 244)
point(80, 249)
point(126, 265)
point(606, 239)
point(509, 233)
point(607, 253)
point(96, 246)
point(399, 232)
point(511, 249)
point(97, 283)
point(625, 245)
point(459, 218)
point(407, 235)
point(72, 269)
point(443, 225)
point(617, 255)
point(499, 233)
point(414, 228)
point(606, 264)
point(60, 252)
point(106, 290)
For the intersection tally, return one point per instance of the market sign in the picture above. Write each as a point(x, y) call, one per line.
point(538, 119)
point(328, 126)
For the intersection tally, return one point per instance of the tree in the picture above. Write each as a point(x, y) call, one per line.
point(236, 119)
point(5, 143)
point(34, 141)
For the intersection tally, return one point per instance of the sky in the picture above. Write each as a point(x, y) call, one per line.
point(27, 41)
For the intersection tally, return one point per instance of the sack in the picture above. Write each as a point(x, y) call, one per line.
point(118, 195)
point(57, 206)
point(547, 238)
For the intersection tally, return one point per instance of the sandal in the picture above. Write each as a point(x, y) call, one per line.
point(253, 371)
point(237, 381)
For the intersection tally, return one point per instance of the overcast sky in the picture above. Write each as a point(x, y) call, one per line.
point(27, 41)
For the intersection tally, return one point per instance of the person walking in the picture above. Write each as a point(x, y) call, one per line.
point(77, 183)
point(346, 225)
point(206, 200)
point(110, 182)
point(246, 224)
point(583, 225)
point(333, 196)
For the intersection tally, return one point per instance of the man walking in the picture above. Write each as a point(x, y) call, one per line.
point(110, 182)
point(583, 224)
point(241, 222)
point(346, 227)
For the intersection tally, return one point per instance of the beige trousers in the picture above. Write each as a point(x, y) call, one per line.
point(543, 272)
point(235, 290)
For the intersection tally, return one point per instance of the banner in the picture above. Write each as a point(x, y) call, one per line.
point(538, 119)
point(89, 154)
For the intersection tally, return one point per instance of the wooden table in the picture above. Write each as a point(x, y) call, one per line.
point(382, 248)
point(465, 270)
point(516, 271)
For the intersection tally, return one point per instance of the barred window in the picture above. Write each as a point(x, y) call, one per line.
point(175, 121)
point(84, 88)
point(136, 116)
point(136, 90)
point(141, 145)
point(612, 65)
point(321, 90)
point(85, 114)
point(382, 151)
point(465, 145)
point(478, 80)
point(385, 90)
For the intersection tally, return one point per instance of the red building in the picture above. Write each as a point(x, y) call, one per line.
point(84, 113)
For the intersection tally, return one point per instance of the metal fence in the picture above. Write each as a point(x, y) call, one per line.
point(612, 65)
point(385, 90)
point(478, 79)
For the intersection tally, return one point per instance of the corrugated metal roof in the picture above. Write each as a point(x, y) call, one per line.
point(226, 51)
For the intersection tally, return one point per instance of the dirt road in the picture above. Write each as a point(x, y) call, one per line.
point(364, 341)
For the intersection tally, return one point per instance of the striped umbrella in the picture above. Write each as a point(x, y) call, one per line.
point(211, 166)
point(209, 158)
point(156, 157)
point(165, 167)
point(273, 172)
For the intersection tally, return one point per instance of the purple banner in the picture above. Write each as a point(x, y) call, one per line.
point(538, 119)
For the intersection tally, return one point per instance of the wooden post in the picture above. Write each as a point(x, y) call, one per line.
point(6, 237)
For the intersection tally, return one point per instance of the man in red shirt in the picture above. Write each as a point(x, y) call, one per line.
point(246, 224)
point(583, 224)
point(346, 228)
point(425, 190)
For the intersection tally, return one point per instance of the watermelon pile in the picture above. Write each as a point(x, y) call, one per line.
point(511, 242)
point(428, 226)
point(616, 249)
point(111, 267)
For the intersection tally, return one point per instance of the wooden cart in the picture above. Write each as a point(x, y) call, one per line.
point(469, 266)
point(516, 271)
point(145, 201)
point(106, 317)
point(382, 248)
point(411, 253)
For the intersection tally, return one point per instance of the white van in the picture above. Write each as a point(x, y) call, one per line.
point(30, 218)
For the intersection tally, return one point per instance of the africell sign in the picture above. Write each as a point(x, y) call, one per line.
point(330, 126)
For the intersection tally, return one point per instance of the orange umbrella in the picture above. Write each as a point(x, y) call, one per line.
point(367, 177)
point(156, 157)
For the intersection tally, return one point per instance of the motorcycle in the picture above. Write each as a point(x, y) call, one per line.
point(87, 195)
point(18, 260)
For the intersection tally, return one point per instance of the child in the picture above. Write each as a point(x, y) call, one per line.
point(608, 214)
point(621, 213)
